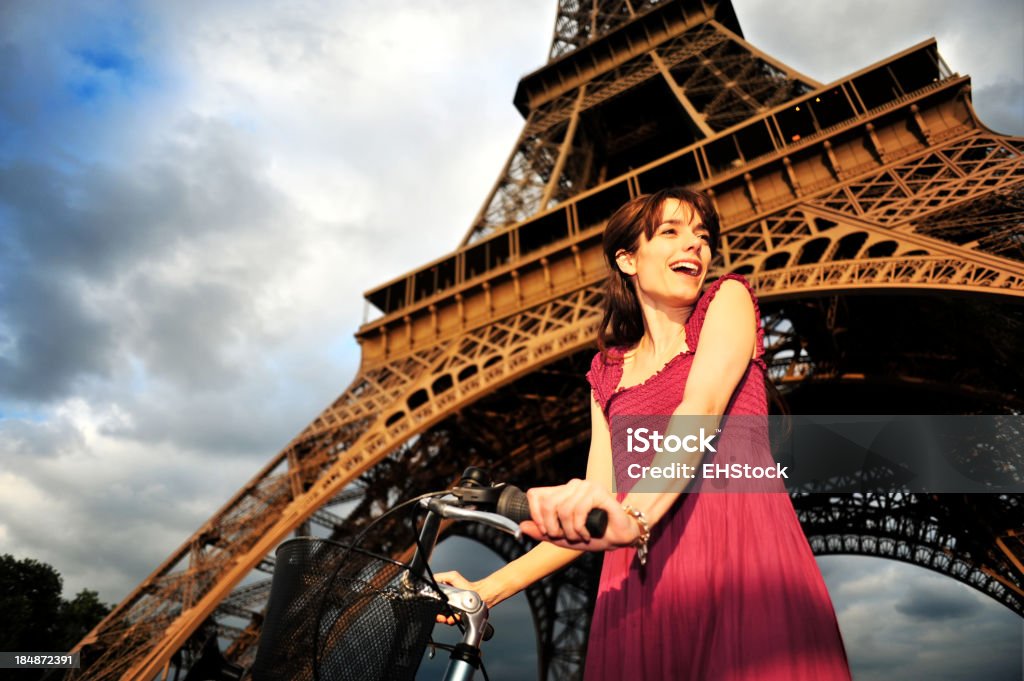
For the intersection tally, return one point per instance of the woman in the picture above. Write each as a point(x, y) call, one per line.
point(702, 585)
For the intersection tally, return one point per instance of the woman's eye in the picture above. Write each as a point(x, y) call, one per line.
point(705, 237)
point(669, 230)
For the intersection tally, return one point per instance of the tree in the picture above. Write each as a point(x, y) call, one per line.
point(30, 600)
point(78, 617)
point(34, 617)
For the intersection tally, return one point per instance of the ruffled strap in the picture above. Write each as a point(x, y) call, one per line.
point(696, 321)
point(599, 378)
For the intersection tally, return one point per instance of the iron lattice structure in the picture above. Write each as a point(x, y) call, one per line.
point(880, 221)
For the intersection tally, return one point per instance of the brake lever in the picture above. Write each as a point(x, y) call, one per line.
point(444, 509)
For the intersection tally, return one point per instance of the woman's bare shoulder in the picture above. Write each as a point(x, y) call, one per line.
point(732, 297)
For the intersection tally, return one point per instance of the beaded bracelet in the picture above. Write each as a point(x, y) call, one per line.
point(645, 532)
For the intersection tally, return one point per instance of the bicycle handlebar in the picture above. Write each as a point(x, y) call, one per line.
point(512, 508)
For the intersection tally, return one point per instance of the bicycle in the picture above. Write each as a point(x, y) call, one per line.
point(339, 613)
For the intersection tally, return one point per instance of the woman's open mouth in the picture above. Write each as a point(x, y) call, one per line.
point(688, 267)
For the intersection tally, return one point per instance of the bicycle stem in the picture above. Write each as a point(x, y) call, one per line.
point(427, 540)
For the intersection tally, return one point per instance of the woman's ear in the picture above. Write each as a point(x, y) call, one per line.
point(626, 262)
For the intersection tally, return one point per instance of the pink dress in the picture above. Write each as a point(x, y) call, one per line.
point(731, 589)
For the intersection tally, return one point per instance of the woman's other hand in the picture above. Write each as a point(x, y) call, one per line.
point(559, 515)
point(484, 588)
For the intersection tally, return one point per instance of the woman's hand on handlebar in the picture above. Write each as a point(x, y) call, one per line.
point(560, 516)
point(483, 588)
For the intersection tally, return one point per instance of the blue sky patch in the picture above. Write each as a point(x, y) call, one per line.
point(101, 70)
point(108, 59)
point(103, 54)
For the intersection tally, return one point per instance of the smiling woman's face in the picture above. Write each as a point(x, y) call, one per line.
point(670, 267)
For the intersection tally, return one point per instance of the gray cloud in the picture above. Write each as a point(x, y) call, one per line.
point(93, 273)
point(105, 511)
point(50, 338)
point(902, 621)
point(1001, 106)
point(936, 604)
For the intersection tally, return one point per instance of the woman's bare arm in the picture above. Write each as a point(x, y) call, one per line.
point(546, 557)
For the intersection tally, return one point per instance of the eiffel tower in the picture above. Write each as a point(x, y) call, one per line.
point(880, 221)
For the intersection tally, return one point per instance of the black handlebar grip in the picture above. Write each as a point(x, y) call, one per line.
point(597, 522)
point(513, 505)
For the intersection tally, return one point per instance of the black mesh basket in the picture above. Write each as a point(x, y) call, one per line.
point(338, 613)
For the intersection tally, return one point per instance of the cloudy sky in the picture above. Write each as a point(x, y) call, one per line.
point(193, 196)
